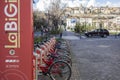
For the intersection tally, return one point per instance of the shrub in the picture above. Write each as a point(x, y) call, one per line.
point(38, 39)
point(55, 31)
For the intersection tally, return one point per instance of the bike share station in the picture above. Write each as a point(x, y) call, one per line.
point(18, 60)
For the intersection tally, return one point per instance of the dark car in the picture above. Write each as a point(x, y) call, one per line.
point(98, 32)
point(118, 34)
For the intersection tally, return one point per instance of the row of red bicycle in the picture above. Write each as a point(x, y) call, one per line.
point(52, 58)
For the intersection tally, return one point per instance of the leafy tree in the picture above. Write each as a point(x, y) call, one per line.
point(80, 28)
point(39, 20)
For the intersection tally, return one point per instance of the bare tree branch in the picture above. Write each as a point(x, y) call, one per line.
point(55, 11)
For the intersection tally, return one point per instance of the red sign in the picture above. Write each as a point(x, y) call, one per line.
point(16, 40)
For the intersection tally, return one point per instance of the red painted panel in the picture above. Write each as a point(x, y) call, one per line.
point(16, 40)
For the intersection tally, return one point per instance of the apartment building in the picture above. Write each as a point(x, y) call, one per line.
point(107, 17)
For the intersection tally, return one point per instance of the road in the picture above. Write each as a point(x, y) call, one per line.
point(96, 58)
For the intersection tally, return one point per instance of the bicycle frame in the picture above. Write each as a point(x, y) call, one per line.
point(44, 58)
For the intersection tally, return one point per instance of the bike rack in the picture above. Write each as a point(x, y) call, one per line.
point(40, 54)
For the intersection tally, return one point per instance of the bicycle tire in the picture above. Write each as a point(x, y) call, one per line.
point(64, 50)
point(64, 58)
point(60, 70)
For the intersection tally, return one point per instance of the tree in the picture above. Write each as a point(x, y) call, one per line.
point(39, 19)
point(56, 11)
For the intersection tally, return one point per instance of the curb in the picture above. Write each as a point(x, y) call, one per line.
point(75, 71)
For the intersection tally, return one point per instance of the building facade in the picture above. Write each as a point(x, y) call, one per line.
point(99, 17)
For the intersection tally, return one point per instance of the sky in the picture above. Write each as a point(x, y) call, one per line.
point(43, 4)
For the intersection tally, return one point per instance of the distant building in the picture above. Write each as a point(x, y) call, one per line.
point(107, 17)
point(118, 20)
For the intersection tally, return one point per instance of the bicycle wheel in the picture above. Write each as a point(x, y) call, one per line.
point(63, 50)
point(64, 58)
point(60, 70)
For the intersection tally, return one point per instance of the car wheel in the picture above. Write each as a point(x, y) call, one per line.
point(119, 34)
point(104, 35)
point(89, 35)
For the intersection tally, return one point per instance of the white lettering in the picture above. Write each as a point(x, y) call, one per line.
point(10, 26)
point(10, 14)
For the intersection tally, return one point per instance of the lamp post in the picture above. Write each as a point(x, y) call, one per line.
point(115, 29)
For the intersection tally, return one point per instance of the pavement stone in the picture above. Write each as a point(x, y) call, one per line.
point(97, 59)
point(75, 69)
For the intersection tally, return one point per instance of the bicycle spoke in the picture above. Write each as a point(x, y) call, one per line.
point(60, 71)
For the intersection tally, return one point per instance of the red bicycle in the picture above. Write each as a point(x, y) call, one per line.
point(52, 64)
point(56, 70)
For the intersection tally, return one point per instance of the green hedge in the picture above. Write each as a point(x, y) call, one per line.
point(55, 31)
point(38, 39)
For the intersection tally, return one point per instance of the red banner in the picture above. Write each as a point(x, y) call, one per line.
point(16, 40)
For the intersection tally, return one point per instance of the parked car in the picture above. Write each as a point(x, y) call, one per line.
point(118, 34)
point(98, 32)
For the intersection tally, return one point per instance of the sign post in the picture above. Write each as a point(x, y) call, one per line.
point(16, 40)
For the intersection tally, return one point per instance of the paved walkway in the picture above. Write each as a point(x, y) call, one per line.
point(96, 58)
point(70, 36)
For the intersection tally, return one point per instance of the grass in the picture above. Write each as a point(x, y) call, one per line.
point(38, 39)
